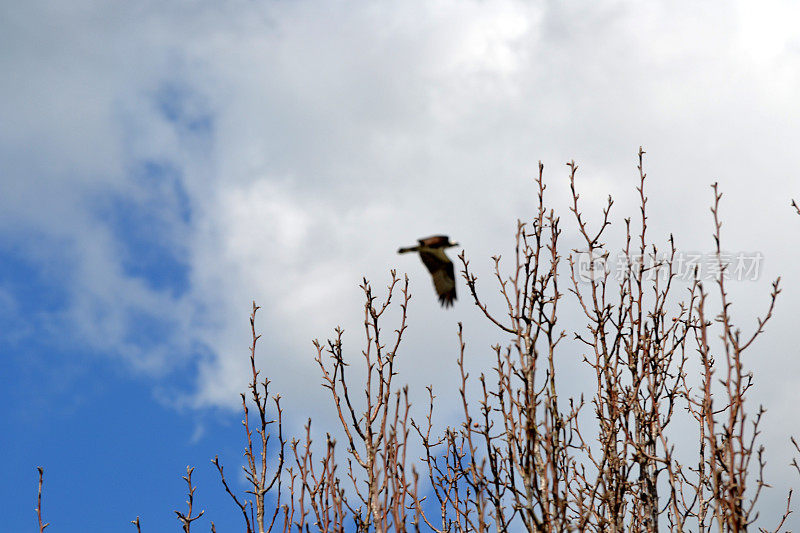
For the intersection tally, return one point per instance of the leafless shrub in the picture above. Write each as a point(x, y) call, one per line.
point(525, 463)
point(510, 461)
point(256, 456)
point(728, 442)
point(383, 488)
point(522, 457)
point(635, 341)
point(377, 432)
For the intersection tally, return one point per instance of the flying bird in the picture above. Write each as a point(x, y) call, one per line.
point(431, 251)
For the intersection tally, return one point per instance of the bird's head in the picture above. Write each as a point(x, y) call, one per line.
point(451, 244)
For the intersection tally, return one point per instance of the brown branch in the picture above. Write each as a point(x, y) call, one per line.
point(42, 524)
point(241, 505)
point(187, 519)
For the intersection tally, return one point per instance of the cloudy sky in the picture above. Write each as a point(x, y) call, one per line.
point(163, 164)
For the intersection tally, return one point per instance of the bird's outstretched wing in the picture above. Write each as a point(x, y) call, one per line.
point(435, 241)
point(443, 273)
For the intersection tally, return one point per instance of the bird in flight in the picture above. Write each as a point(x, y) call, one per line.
point(431, 251)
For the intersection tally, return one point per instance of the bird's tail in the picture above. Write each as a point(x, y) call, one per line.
point(408, 249)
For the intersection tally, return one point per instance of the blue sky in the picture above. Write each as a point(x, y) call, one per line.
point(163, 164)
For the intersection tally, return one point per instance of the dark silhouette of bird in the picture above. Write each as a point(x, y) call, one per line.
point(431, 251)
